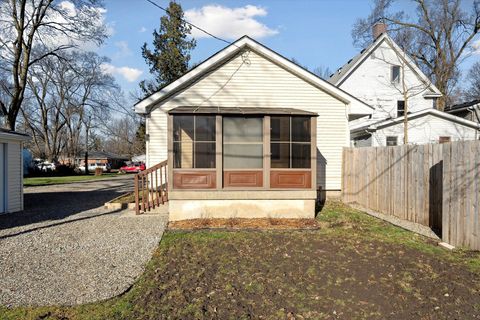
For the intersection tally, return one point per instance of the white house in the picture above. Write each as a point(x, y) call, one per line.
point(253, 127)
point(385, 77)
point(425, 126)
point(11, 170)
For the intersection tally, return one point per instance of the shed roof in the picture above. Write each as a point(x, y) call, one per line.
point(241, 111)
point(13, 135)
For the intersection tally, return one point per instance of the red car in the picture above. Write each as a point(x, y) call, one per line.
point(133, 167)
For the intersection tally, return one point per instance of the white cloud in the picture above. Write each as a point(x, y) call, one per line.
point(130, 74)
point(142, 30)
point(476, 47)
point(230, 23)
point(123, 49)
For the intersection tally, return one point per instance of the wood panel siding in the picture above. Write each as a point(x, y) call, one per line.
point(237, 179)
point(261, 83)
point(194, 179)
point(290, 179)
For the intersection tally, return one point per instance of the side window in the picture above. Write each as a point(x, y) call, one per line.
point(392, 141)
point(290, 142)
point(395, 74)
point(400, 108)
point(194, 141)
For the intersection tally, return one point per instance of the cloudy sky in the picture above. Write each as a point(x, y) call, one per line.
point(317, 33)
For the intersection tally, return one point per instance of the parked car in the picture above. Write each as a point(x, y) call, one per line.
point(45, 166)
point(93, 166)
point(133, 167)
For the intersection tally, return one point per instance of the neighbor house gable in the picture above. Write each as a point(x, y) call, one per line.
point(346, 71)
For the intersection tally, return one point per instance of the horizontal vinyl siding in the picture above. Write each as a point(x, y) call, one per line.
point(14, 177)
point(258, 82)
point(425, 130)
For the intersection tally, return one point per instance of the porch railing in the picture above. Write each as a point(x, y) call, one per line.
point(151, 188)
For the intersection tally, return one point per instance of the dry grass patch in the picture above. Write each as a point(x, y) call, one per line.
point(238, 224)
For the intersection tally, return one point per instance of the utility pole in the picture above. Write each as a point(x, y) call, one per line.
point(87, 128)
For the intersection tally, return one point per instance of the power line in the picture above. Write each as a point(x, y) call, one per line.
point(191, 24)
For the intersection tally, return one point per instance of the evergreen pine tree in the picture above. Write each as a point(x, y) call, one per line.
point(171, 50)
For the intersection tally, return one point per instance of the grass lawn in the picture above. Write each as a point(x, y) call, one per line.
point(41, 181)
point(354, 267)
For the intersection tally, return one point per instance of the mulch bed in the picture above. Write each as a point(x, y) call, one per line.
point(244, 224)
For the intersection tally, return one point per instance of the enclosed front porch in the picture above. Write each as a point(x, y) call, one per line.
point(241, 163)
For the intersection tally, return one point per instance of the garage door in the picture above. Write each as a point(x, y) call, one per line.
point(2, 177)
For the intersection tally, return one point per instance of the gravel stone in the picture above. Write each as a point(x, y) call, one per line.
point(67, 249)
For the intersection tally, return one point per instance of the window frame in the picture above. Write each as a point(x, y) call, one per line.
point(261, 143)
point(398, 109)
point(194, 143)
point(387, 138)
point(291, 142)
point(397, 79)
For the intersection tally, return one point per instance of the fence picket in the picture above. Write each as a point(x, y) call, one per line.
point(437, 186)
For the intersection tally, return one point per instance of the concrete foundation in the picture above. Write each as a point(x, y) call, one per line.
point(201, 209)
point(241, 204)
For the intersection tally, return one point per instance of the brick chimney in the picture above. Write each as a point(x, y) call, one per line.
point(378, 28)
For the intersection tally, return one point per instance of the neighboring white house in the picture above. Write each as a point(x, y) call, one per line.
point(384, 76)
point(426, 126)
point(247, 75)
point(11, 171)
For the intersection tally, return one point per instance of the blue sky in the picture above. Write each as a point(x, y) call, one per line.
point(316, 33)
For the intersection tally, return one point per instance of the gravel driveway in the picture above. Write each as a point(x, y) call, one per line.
point(67, 249)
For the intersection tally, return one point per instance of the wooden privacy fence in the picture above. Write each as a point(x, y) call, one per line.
point(435, 185)
point(151, 188)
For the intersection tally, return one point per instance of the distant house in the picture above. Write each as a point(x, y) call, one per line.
point(468, 110)
point(11, 170)
point(103, 157)
point(248, 134)
point(385, 77)
point(425, 126)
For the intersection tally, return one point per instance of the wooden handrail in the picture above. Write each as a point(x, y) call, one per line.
point(148, 192)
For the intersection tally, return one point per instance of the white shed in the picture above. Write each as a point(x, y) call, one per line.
point(11, 170)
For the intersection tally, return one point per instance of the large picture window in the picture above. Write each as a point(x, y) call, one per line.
point(290, 142)
point(194, 141)
point(242, 143)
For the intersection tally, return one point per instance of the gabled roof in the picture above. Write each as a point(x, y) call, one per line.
point(414, 115)
point(347, 69)
point(13, 135)
point(145, 106)
point(462, 106)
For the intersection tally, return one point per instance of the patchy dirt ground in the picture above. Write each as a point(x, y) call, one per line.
point(353, 267)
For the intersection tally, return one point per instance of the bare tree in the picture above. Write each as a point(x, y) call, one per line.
point(322, 72)
point(31, 30)
point(68, 97)
point(439, 36)
point(473, 78)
